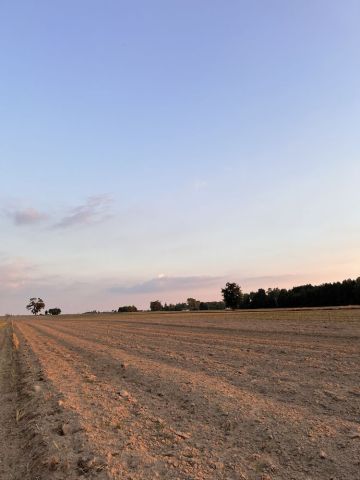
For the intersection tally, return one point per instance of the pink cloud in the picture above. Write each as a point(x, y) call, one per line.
point(27, 216)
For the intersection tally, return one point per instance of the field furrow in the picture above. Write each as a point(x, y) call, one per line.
point(175, 397)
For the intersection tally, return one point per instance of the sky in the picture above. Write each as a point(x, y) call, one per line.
point(158, 149)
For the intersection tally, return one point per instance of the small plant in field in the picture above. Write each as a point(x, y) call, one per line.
point(159, 425)
point(19, 415)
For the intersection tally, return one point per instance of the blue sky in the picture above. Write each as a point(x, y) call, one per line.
point(159, 149)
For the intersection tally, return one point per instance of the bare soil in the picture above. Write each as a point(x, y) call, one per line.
point(187, 396)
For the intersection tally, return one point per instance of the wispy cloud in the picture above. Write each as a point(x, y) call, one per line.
point(27, 216)
point(96, 209)
point(163, 283)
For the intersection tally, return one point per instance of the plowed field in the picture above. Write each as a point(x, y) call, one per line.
point(188, 396)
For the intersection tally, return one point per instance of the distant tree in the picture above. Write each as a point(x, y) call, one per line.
point(232, 295)
point(35, 305)
point(179, 307)
point(259, 299)
point(127, 308)
point(214, 305)
point(156, 306)
point(357, 291)
point(246, 301)
point(283, 298)
point(203, 306)
point(193, 304)
point(273, 297)
point(54, 311)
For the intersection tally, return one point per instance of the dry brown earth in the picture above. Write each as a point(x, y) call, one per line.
point(187, 396)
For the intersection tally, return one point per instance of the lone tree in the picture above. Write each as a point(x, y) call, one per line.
point(35, 305)
point(54, 311)
point(232, 295)
point(155, 306)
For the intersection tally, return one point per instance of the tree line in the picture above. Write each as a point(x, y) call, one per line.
point(334, 294)
point(190, 304)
